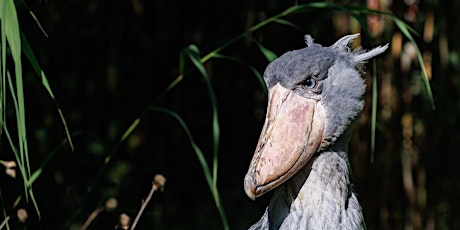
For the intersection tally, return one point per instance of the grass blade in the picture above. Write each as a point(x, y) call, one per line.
point(5, 217)
point(10, 28)
point(3, 66)
point(252, 68)
point(28, 52)
point(404, 28)
point(287, 23)
point(36, 174)
point(269, 55)
point(374, 108)
point(194, 54)
point(202, 161)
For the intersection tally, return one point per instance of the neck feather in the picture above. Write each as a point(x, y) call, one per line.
point(319, 196)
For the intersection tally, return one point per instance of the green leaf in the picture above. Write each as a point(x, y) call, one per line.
point(269, 55)
point(11, 28)
point(28, 52)
point(193, 53)
point(287, 23)
point(252, 68)
point(404, 28)
point(201, 160)
point(11, 31)
point(374, 108)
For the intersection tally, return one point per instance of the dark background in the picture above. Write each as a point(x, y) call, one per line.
point(108, 61)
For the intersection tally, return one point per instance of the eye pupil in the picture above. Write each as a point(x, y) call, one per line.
point(309, 83)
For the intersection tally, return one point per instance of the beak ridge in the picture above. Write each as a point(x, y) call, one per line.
point(292, 133)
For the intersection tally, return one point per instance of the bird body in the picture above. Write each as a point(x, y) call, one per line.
point(315, 95)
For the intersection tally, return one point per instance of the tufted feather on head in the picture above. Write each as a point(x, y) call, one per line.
point(340, 86)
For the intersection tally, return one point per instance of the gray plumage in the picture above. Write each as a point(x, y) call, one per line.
point(315, 193)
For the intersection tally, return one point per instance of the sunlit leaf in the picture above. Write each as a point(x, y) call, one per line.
point(11, 31)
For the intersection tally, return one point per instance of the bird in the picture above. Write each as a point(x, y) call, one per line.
point(315, 95)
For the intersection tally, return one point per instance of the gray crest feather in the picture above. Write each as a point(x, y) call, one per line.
point(360, 55)
point(369, 54)
point(308, 40)
point(342, 43)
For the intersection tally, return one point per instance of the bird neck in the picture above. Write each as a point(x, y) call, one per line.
point(319, 196)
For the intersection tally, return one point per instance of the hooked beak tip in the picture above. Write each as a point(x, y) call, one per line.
point(250, 187)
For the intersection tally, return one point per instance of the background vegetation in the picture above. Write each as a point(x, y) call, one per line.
point(103, 95)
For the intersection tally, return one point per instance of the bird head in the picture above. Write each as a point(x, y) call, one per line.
point(314, 95)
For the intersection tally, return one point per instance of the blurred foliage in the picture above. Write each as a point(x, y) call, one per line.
point(109, 62)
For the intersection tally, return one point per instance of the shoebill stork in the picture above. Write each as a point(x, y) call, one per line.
point(315, 95)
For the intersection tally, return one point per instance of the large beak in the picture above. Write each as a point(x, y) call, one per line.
point(292, 132)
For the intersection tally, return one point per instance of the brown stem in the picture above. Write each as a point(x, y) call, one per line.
point(4, 222)
point(144, 204)
point(91, 217)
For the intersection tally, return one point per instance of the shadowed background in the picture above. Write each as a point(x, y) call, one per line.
point(108, 61)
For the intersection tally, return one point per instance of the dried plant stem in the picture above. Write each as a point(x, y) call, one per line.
point(158, 183)
point(91, 217)
point(4, 222)
point(144, 204)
